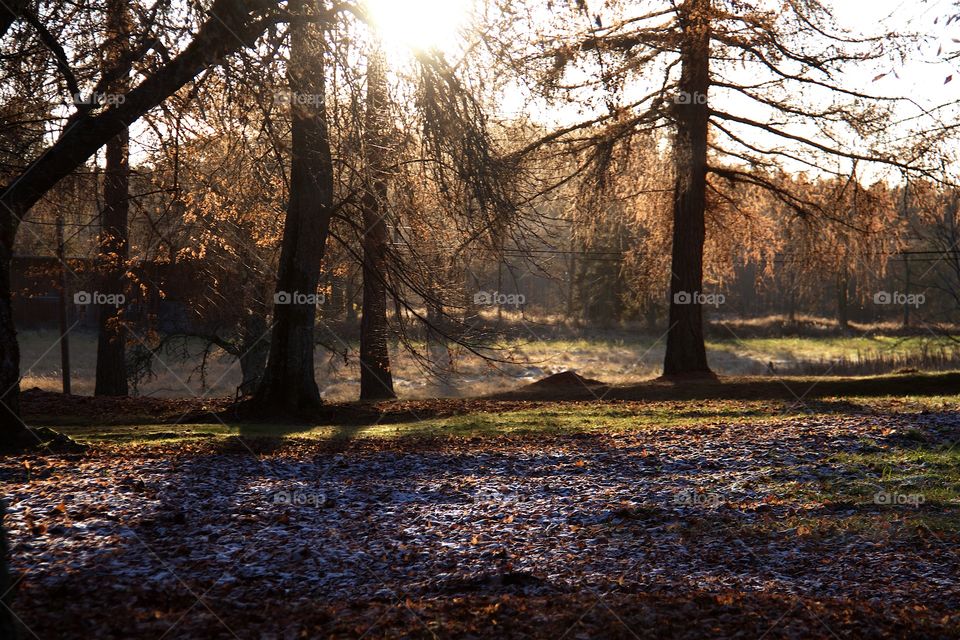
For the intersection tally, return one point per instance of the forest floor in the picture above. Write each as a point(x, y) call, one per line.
point(682, 516)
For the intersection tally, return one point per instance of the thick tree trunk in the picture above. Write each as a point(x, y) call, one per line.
point(13, 431)
point(686, 353)
point(288, 383)
point(254, 350)
point(230, 27)
point(376, 381)
point(111, 373)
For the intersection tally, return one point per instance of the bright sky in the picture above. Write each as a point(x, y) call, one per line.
point(420, 24)
point(407, 26)
point(921, 77)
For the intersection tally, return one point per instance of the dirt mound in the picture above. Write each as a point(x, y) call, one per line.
point(565, 379)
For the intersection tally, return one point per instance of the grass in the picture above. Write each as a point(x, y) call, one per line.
point(829, 347)
point(905, 488)
point(932, 473)
point(552, 419)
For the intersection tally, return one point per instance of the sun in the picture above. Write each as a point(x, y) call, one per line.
point(420, 25)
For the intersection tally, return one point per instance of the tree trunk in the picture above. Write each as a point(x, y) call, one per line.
point(111, 373)
point(376, 381)
point(843, 306)
point(13, 432)
point(254, 350)
point(906, 289)
point(349, 295)
point(62, 310)
point(438, 347)
point(686, 353)
point(288, 383)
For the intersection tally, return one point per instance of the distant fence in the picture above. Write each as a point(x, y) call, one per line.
point(36, 291)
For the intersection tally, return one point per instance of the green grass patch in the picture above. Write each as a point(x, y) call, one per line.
point(554, 419)
point(831, 347)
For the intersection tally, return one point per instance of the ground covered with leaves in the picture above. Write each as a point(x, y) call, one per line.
point(832, 526)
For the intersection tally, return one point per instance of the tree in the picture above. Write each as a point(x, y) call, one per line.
point(686, 353)
point(376, 381)
point(288, 383)
point(231, 25)
point(111, 372)
point(675, 67)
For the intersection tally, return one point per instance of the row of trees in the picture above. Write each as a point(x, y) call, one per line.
point(403, 169)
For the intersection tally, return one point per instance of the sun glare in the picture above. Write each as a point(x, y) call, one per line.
point(420, 24)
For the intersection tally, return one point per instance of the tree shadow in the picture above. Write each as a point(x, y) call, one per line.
point(223, 523)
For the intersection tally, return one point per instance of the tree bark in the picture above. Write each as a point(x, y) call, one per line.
point(234, 24)
point(843, 306)
point(12, 430)
point(111, 372)
point(62, 309)
point(686, 352)
point(376, 380)
point(288, 383)
point(254, 350)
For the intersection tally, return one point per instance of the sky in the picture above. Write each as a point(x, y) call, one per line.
point(407, 26)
